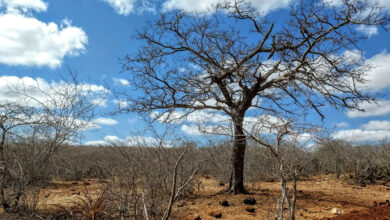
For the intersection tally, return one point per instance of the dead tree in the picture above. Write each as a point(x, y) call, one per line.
point(235, 60)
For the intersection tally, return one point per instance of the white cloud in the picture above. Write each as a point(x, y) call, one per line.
point(206, 129)
point(16, 6)
point(264, 6)
point(27, 41)
point(122, 7)
point(198, 117)
point(105, 121)
point(377, 125)
point(126, 7)
point(382, 107)
point(110, 140)
point(360, 135)
point(204, 123)
point(370, 132)
point(385, 4)
point(341, 125)
point(368, 30)
point(121, 103)
point(122, 82)
point(378, 77)
point(99, 102)
point(35, 92)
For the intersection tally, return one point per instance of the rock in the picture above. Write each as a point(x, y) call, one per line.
point(337, 211)
point(221, 184)
point(224, 203)
point(251, 210)
point(250, 201)
point(198, 218)
point(216, 214)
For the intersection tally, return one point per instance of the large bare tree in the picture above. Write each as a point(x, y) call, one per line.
point(235, 59)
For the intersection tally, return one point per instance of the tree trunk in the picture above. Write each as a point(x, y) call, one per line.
point(3, 203)
point(238, 155)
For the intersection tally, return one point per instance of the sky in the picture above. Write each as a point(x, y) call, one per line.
point(40, 39)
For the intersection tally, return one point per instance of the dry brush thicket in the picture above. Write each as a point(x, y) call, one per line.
point(136, 182)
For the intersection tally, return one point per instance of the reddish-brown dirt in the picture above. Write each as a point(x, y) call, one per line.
point(316, 199)
point(380, 211)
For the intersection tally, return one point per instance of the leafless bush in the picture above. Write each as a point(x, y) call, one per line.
point(32, 130)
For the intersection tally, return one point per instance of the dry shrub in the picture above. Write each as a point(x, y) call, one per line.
point(91, 205)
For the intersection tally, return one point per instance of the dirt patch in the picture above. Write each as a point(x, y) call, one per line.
point(316, 199)
point(378, 211)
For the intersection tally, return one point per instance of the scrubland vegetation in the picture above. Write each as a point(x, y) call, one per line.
point(136, 182)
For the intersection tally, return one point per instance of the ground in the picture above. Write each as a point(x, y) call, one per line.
point(319, 197)
point(316, 199)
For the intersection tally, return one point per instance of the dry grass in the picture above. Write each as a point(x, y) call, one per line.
point(316, 198)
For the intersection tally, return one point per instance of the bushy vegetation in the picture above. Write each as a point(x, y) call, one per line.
point(138, 180)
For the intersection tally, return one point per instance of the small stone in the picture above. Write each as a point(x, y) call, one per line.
point(250, 201)
point(224, 203)
point(216, 214)
point(198, 218)
point(219, 215)
point(336, 211)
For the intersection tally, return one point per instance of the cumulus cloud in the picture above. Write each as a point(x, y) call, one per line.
point(99, 102)
point(361, 135)
point(341, 125)
point(382, 107)
point(385, 4)
point(35, 92)
point(377, 125)
point(370, 132)
point(368, 30)
point(126, 7)
point(263, 6)
point(111, 140)
point(14, 6)
point(377, 77)
point(105, 121)
point(27, 41)
point(194, 129)
point(122, 82)
point(122, 7)
point(198, 117)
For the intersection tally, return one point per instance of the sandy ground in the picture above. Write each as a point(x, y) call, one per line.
point(315, 200)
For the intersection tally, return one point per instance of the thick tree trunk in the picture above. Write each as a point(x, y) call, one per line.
point(238, 155)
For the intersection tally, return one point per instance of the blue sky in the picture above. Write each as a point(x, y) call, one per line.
point(40, 38)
